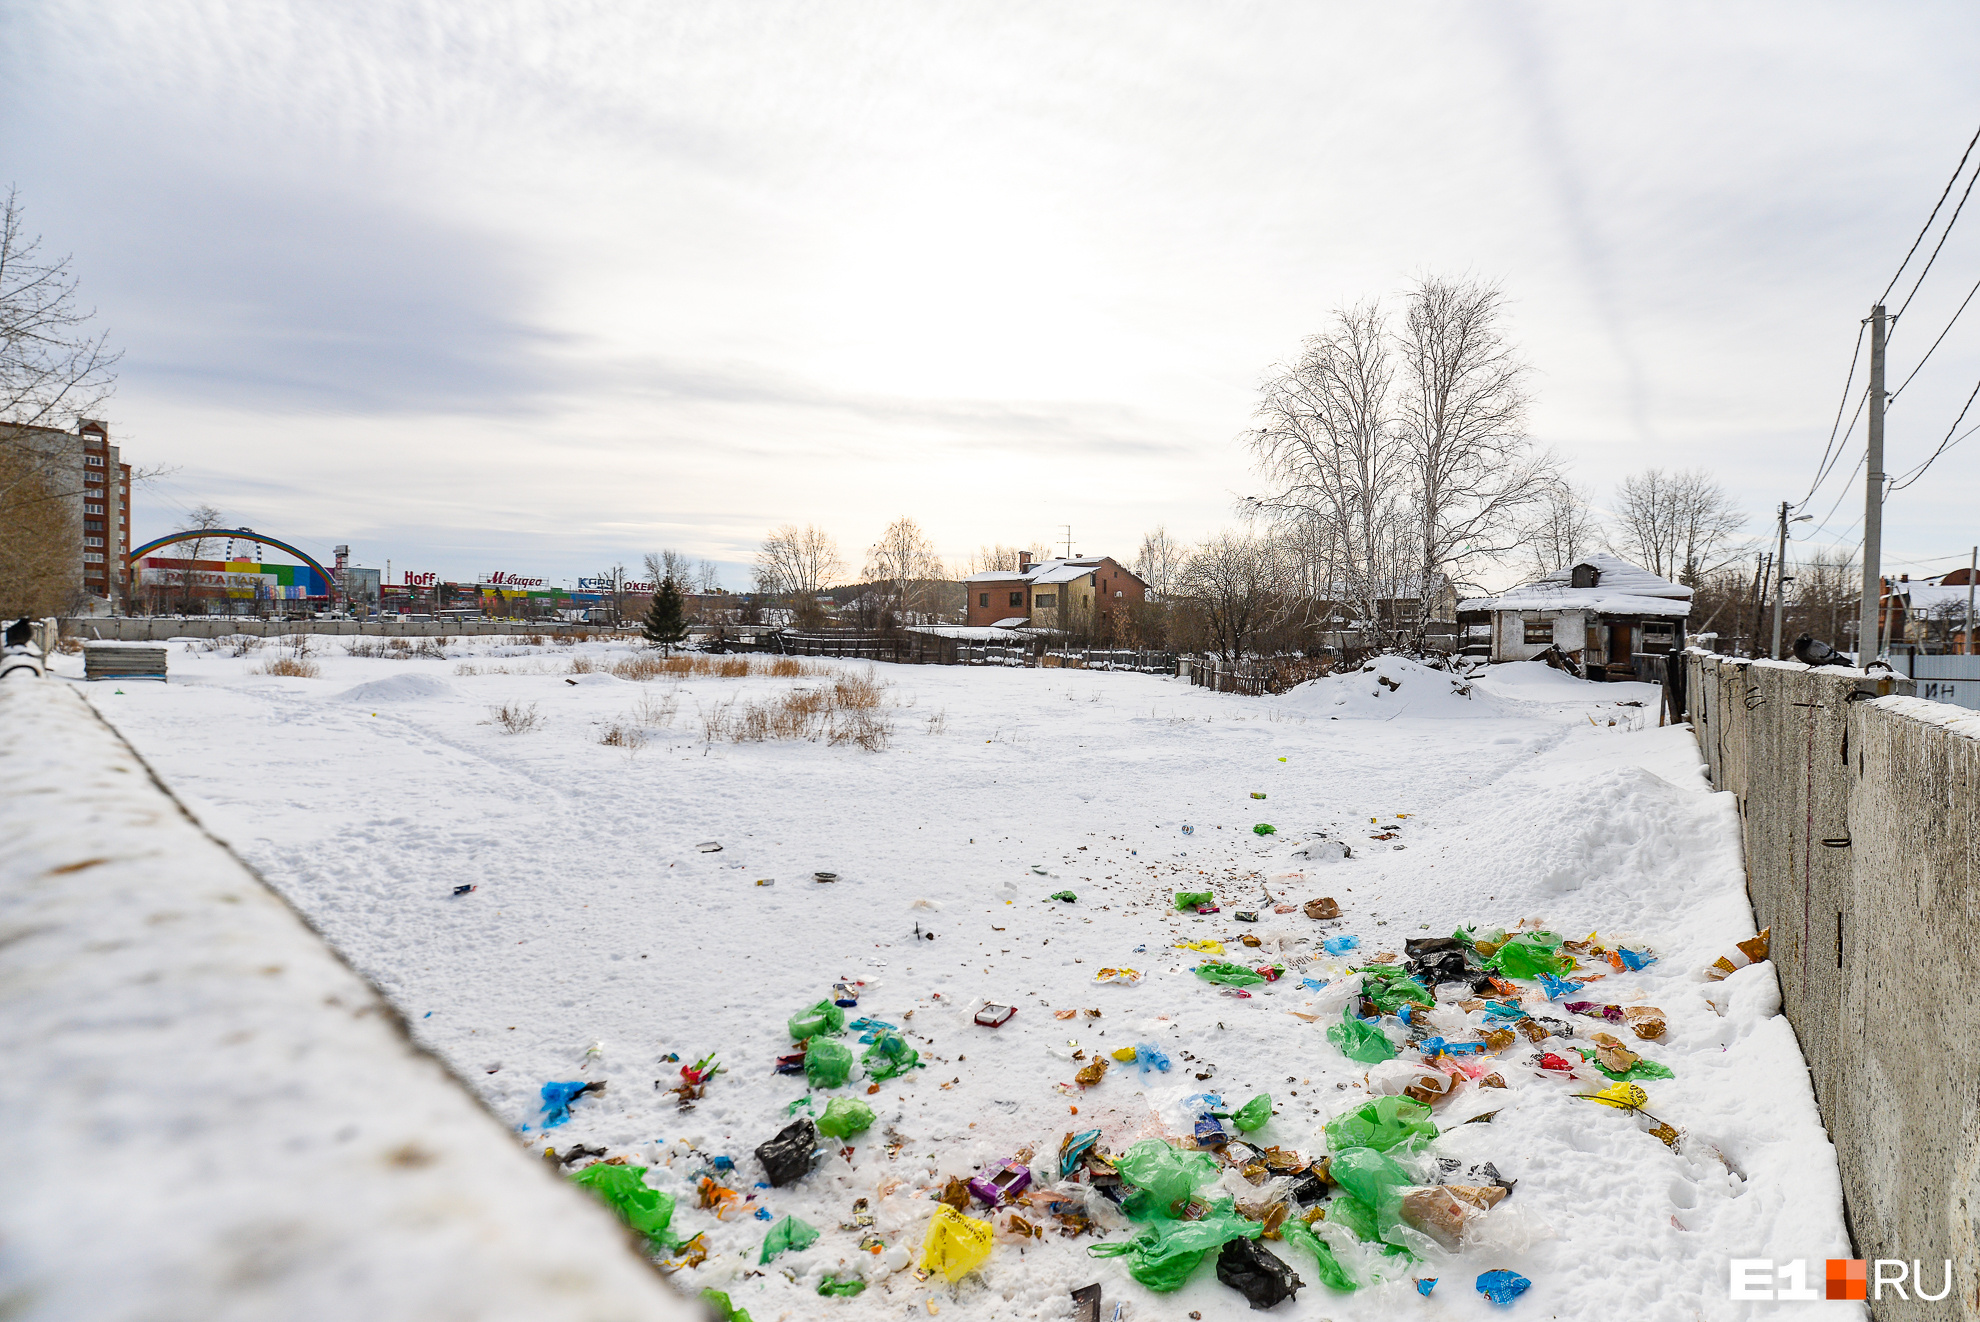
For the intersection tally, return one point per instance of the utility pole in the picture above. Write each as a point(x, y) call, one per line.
point(1867, 634)
point(1972, 570)
point(1760, 573)
point(1781, 577)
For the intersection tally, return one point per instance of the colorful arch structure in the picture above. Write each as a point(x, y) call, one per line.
point(132, 556)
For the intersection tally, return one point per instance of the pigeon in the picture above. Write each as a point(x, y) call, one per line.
point(1814, 652)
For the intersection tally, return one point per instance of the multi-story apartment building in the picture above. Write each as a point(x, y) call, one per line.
point(82, 469)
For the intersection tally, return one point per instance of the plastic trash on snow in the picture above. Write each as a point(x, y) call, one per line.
point(1187, 901)
point(1359, 1040)
point(788, 1235)
point(1162, 1176)
point(721, 1308)
point(1230, 975)
point(625, 1191)
point(1381, 1124)
point(1253, 1114)
point(1148, 1056)
point(827, 1064)
point(824, 1017)
point(1326, 1265)
point(1163, 1253)
point(844, 1117)
point(787, 1157)
point(1340, 945)
point(1502, 1287)
point(956, 1245)
point(1255, 1272)
point(889, 1056)
point(557, 1099)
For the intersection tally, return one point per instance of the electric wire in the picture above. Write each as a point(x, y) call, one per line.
point(1913, 474)
point(1944, 234)
point(1935, 344)
point(1822, 468)
point(1927, 229)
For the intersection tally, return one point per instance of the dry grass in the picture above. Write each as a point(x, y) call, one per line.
point(515, 717)
point(295, 667)
point(849, 710)
point(688, 665)
point(657, 712)
point(620, 735)
point(399, 649)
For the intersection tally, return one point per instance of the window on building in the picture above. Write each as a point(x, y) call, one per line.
point(1047, 600)
point(1658, 636)
point(1539, 633)
point(92, 509)
point(983, 600)
point(1017, 599)
point(93, 460)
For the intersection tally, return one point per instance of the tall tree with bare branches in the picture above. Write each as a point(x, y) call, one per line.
point(903, 566)
point(1680, 525)
point(1159, 562)
point(1462, 416)
point(53, 370)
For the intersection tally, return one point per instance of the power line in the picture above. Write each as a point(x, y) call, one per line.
point(1957, 169)
point(1935, 343)
point(1822, 468)
point(1948, 443)
point(1944, 234)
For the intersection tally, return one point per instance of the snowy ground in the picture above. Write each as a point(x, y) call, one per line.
point(600, 938)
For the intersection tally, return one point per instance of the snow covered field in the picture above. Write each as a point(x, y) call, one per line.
point(600, 938)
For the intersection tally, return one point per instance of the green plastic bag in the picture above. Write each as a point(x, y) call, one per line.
point(845, 1117)
point(827, 1064)
point(1380, 1124)
point(889, 1056)
point(1231, 975)
point(839, 1289)
point(724, 1311)
point(1529, 954)
point(1360, 1041)
point(1358, 1217)
point(1163, 1253)
point(1375, 1180)
point(1642, 1069)
point(1254, 1113)
point(823, 1017)
point(1389, 986)
point(624, 1190)
point(1486, 943)
point(1264, 828)
point(1162, 1176)
point(1188, 900)
point(1332, 1274)
point(791, 1235)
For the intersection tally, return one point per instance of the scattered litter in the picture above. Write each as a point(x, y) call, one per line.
point(1148, 1056)
point(464, 890)
point(1425, 1284)
point(766, 881)
point(821, 1019)
point(824, 876)
point(956, 1244)
point(1264, 828)
point(1502, 1287)
point(557, 1099)
point(1247, 916)
point(1126, 976)
point(844, 1117)
point(1067, 896)
point(1189, 901)
point(834, 1287)
point(710, 847)
point(827, 1064)
point(787, 1157)
point(994, 1015)
point(1256, 795)
point(845, 995)
point(1256, 1273)
point(1253, 1114)
point(790, 1235)
point(624, 1190)
point(1001, 1181)
point(1340, 945)
point(1751, 951)
point(1086, 1304)
point(1323, 908)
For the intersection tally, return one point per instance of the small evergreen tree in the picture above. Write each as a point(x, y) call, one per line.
point(665, 623)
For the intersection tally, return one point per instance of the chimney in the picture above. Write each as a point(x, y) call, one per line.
point(1024, 562)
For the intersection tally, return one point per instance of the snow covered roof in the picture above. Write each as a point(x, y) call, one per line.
point(1012, 622)
point(1044, 572)
point(1923, 596)
point(1619, 588)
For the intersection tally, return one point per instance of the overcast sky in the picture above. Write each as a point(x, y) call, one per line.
point(508, 286)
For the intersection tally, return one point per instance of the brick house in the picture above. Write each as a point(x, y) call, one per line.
point(1071, 594)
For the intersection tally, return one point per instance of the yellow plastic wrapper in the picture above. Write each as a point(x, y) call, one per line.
point(1124, 1054)
point(1207, 946)
point(1622, 1096)
point(957, 1245)
point(1127, 976)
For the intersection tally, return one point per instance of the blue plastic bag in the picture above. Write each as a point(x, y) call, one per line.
point(1425, 1284)
point(1313, 984)
point(1149, 1057)
point(1340, 945)
point(1559, 987)
point(557, 1099)
point(1635, 962)
point(1502, 1287)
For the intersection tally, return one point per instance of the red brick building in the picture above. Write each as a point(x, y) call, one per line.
point(1073, 594)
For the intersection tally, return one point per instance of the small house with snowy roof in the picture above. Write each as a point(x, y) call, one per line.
point(1594, 614)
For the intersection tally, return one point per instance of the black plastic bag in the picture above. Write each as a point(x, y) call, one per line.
point(1256, 1273)
point(787, 1157)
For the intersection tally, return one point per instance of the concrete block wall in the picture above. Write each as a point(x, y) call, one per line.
point(214, 1117)
point(1861, 823)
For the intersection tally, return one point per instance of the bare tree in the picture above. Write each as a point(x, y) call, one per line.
point(1159, 562)
point(1562, 528)
point(1679, 525)
point(798, 562)
point(670, 564)
point(996, 558)
point(903, 565)
point(53, 372)
point(1338, 465)
point(1462, 417)
point(203, 519)
point(1237, 580)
